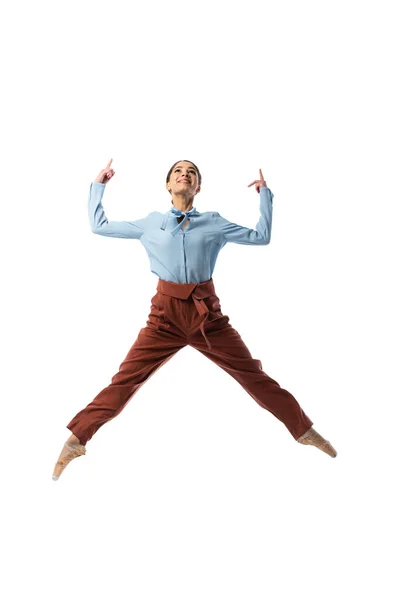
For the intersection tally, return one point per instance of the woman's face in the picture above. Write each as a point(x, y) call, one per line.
point(184, 177)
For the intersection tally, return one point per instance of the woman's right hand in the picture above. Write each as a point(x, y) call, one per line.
point(106, 174)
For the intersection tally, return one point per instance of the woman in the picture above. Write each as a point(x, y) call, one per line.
point(183, 245)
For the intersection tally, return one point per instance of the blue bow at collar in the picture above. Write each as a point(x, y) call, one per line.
point(178, 213)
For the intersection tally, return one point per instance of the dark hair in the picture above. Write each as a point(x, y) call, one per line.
point(171, 169)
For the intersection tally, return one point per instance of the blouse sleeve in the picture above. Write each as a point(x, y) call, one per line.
point(99, 223)
point(259, 236)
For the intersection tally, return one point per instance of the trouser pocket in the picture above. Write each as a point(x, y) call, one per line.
point(157, 316)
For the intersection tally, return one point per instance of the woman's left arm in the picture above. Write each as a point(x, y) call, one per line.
point(261, 235)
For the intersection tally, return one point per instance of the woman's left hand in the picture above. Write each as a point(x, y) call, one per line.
point(259, 182)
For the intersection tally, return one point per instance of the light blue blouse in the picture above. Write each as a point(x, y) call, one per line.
point(182, 255)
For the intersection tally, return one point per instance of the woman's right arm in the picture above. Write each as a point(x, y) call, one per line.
point(98, 220)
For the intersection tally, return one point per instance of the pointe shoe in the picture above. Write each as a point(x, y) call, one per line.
point(74, 450)
point(313, 438)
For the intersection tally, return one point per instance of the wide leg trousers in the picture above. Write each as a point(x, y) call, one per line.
point(188, 314)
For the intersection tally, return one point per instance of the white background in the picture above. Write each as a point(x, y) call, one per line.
point(194, 491)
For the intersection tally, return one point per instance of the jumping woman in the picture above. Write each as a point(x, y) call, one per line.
point(183, 245)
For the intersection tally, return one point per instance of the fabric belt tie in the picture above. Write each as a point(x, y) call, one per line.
point(198, 291)
point(202, 310)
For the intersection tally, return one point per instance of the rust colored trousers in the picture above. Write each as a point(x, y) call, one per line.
point(188, 314)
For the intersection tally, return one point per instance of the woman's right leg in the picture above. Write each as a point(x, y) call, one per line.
point(154, 346)
point(152, 349)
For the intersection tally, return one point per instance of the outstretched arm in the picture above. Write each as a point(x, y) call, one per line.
point(261, 235)
point(102, 226)
point(98, 220)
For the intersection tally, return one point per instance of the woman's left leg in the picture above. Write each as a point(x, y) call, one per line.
point(230, 353)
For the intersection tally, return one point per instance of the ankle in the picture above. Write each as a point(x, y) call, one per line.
point(73, 439)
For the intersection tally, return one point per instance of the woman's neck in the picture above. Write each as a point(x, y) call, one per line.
point(181, 202)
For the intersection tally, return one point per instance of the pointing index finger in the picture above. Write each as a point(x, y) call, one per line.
point(109, 163)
